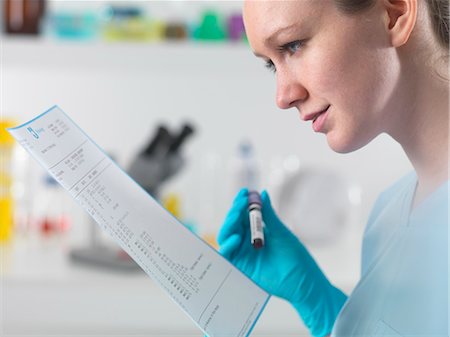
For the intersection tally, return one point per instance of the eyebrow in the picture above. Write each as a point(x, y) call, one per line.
point(276, 33)
point(281, 30)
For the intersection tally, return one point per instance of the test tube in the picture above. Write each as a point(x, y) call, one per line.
point(256, 225)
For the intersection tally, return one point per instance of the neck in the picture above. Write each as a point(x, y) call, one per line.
point(423, 128)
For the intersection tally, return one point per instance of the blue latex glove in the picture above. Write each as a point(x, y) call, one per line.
point(283, 267)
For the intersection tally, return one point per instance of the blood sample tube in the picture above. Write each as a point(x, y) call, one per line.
point(256, 225)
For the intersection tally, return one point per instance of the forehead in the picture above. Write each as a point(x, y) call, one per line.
point(264, 17)
point(285, 7)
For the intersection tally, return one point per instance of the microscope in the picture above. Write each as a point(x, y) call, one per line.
point(159, 161)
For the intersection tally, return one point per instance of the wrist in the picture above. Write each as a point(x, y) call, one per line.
point(319, 309)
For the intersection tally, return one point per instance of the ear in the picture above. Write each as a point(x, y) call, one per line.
point(401, 18)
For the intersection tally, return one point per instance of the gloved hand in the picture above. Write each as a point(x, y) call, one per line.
point(283, 267)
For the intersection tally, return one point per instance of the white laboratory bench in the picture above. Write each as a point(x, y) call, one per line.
point(44, 293)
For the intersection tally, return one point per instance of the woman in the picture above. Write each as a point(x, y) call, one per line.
point(356, 69)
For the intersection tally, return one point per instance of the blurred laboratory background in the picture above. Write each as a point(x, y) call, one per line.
point(172, 92)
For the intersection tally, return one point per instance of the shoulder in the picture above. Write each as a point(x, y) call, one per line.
point(398, 187)
point(435, 207)
point(386, 215)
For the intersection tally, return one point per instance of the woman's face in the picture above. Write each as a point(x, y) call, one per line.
point(338, 70)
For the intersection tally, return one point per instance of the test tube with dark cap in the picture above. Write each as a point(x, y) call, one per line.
point(256, 225)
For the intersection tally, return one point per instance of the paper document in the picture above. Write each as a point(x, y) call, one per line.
point(218, 297)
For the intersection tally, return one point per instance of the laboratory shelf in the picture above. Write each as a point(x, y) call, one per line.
point(185, 56)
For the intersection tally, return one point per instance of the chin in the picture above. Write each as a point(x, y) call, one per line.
point(342, 144)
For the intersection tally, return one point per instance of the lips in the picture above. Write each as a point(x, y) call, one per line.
point(313, 116)
point(319, 121)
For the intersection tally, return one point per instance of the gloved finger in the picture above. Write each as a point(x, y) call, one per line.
point(230, 246)
point(234, 220)
point(269, 216)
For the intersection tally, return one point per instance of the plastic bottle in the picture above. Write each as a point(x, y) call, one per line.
point(246, 170)
point(236, 30)
point(6, 197)
point(211, 27)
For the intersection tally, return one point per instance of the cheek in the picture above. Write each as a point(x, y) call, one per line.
point(357, 75)
point(340, 72)
point(360, 86)
point(354, 79)
point(346, 62)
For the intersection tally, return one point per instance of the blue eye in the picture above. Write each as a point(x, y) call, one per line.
point(292, 47)
point(289, 48)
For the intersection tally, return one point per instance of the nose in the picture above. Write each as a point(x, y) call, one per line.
point(290, 91)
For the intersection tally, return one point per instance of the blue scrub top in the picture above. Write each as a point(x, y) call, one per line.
point(403, 290)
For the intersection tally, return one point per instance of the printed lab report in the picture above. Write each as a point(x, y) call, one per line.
point(218, 297)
